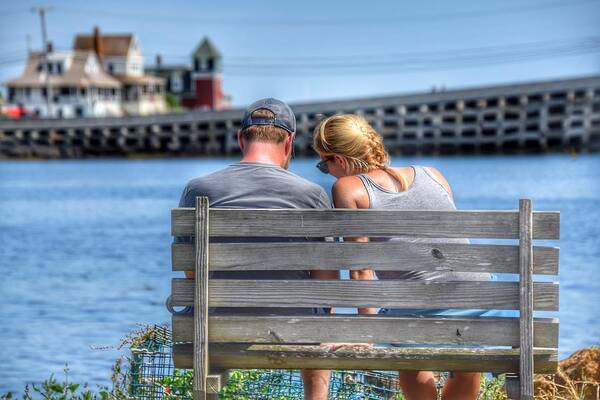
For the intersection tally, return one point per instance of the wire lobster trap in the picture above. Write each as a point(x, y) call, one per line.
point(153, 376)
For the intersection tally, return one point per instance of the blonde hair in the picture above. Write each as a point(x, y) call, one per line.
point(350, 136)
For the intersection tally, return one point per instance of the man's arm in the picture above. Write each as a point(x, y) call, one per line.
point(184, 201)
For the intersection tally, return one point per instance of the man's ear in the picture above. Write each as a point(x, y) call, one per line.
point(240, 140)
point(289, 143)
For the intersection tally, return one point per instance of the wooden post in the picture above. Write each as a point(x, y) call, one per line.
point(201, 300)
point(512, 386)
point(526, 298)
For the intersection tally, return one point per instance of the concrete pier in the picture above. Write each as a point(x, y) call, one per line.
point(545, 116)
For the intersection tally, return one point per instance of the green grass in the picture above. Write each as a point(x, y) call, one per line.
point(179, 386)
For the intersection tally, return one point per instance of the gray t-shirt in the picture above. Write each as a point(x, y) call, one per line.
point(256, 185)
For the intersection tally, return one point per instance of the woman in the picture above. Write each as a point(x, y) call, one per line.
point(353, 152)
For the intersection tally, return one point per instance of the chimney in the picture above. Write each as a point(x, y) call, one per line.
point(98, 47)
point(158, 61)
point(49, 47)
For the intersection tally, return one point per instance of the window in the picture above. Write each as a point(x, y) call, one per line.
point(11, 94)
point(27, 92)
point(59, 68)
point(111, 68)
point(196, 64)
point(211, 64)
point(176, 82)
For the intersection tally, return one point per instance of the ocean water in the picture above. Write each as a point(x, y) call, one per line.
point(85, 248)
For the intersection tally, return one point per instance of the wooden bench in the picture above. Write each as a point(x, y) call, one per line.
point(211, 343)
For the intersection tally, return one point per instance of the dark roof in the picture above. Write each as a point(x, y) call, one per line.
point(206, 47)
point(112, 45)
point(167, 68)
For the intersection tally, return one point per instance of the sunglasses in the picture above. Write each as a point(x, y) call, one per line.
point(322, 166)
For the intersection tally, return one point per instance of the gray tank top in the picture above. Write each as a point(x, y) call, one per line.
point(425, 193)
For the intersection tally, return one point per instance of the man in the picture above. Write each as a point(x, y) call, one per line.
point(261, 180)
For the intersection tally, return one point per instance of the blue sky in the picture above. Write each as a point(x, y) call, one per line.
point(315, 50)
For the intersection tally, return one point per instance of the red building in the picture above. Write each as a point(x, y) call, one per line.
point(198, 86)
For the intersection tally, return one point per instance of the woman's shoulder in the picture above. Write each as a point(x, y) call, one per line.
point(349, 192)
point(347, 184)
point(437, 176)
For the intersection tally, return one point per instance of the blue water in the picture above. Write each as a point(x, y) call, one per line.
point(85, 248)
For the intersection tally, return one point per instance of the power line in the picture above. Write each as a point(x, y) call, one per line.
point(425, 60)
point(11, 60)
point(479, 52)
point(399, 62)
point(520, 52)
point(316, 61)
point(5, 13)
point(12, 52)
point(391, 69)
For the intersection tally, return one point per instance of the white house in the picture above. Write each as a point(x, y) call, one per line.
point(122, 58)
point(67, 84)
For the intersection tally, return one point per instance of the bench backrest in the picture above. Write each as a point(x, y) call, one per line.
point(522, 258)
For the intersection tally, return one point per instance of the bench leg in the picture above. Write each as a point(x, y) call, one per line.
point(512, 387)
point(214, 383)
point(216, 380)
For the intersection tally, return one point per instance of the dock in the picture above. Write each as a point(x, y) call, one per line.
point(546, 116)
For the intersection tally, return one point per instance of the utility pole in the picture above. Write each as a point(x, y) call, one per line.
point(41, 11)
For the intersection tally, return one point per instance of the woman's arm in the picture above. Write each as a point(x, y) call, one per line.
point(349, 192)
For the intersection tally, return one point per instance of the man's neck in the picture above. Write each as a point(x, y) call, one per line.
point(265, 153)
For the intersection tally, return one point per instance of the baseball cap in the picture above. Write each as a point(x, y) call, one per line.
point(284, 116)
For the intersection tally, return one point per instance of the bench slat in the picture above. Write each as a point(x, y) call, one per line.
point(349, 293)
point(295, 356)
point(395, 255)
point(344, 222)
point(367, 329)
